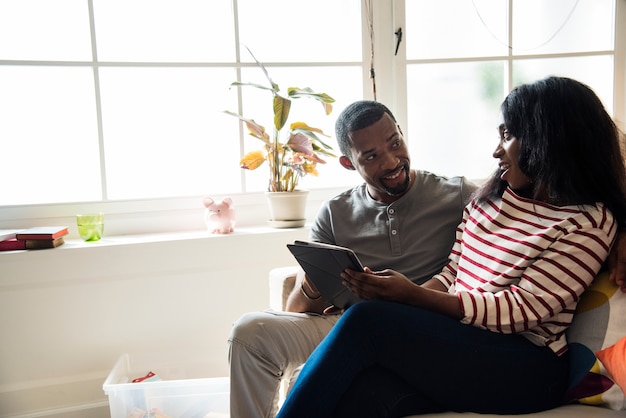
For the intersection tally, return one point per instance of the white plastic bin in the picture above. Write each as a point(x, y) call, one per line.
point(184, 390)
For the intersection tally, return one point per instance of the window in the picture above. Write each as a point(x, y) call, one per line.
point(117, 100)
point(462, 57)
point(117, 105)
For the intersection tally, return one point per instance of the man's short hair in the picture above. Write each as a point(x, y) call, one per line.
point(358, 115)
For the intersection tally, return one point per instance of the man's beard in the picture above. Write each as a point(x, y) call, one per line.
point(402, 188)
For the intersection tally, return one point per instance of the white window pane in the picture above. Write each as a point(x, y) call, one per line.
point(344, 84)
point(164, 30)
point(166, 134)
point(595, 71)
point(48, 135)
point(453, 113)
point(560, 26)
point(298, 31)
point(455, 28)
point(44, 30)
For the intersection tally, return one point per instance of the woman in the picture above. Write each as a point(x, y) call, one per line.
point(487, 334)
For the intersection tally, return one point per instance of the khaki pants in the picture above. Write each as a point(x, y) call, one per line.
point(265, 349)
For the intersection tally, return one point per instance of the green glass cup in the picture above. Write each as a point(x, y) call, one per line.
point(90, 226)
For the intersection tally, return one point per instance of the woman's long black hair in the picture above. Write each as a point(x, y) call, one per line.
point(569, 146)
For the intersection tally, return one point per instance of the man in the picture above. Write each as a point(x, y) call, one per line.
point(399, 218)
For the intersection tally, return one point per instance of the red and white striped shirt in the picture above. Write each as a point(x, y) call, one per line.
point(520, 266)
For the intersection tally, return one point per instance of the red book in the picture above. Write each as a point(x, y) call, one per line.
point(42, 232)
point(12, 244)
point(30, 244)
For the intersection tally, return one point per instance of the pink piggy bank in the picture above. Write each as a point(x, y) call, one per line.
point(219, 216)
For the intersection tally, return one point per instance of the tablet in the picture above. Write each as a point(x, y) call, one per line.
point(323, 264)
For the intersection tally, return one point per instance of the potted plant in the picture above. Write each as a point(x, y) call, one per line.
point(291, 151)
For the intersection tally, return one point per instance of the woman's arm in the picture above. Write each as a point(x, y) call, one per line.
point(546, 293)
point(396, 287)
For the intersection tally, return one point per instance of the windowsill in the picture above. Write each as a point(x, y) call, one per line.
point(165, 237)
point(171, 236)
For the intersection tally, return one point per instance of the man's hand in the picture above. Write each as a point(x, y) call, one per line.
point(304, 297)
point(617, 262)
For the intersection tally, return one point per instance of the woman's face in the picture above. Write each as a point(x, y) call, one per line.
point(507, 152)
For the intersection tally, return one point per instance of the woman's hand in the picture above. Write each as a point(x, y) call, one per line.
point(396, 287)
point(384, 285)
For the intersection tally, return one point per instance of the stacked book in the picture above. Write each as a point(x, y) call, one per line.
point(32, 238)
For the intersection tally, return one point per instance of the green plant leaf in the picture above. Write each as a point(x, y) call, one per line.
point(310, 168)
point(322, 151)
point(256, 130)
point(275, 88)
point(296, 92)
point(287, 175)
point(325, 99)
point(281, 111)
point(311, 133)
point(301, 126)
point(258, 86)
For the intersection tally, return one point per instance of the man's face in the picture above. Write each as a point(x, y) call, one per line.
point(381, 157)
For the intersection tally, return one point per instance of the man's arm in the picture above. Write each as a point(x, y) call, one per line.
point(304, 296)
point(617, 261)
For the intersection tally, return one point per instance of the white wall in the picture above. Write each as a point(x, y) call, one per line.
point(67, 314)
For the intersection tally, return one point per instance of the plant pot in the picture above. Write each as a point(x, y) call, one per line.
point(287, 209)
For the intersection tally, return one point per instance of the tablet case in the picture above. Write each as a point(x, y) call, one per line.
point(323, 264)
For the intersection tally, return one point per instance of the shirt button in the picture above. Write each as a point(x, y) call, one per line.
point(392, 211)
point(394, 232)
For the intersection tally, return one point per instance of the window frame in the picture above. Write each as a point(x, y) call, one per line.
point(142, 216)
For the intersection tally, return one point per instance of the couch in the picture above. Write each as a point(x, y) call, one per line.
point(281, 282)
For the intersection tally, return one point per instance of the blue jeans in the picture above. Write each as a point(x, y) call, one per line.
point(388, 359)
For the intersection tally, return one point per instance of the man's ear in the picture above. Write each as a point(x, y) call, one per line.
point(346, 163)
